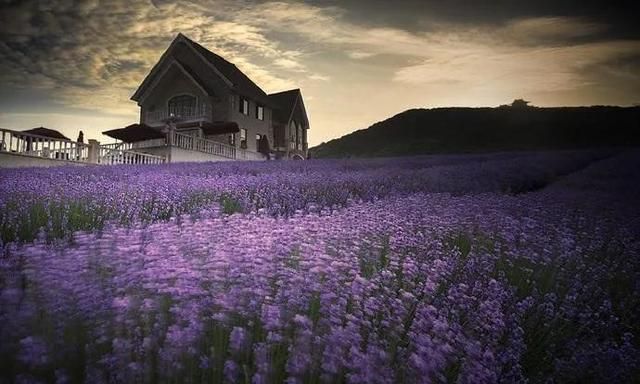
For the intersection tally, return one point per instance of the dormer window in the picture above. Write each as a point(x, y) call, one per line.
point(244, 106)
point(182, 106)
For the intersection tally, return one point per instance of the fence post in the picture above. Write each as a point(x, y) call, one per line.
point(94, 151)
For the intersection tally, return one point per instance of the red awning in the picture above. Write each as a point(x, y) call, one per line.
point(135, 132)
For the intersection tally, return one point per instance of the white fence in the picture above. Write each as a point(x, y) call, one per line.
point(27, 144)
point(109, 155)
point(199, 144)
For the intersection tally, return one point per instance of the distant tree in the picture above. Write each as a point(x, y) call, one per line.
point(520, 103)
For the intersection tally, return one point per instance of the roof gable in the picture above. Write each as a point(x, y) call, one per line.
point(289, 106)
point(228, 72)
point(169, 55)
point(185, 70)
point(241, 82)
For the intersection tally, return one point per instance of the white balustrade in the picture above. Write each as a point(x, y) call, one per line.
point(199, 144)
point(111, 154)
point(27, 144)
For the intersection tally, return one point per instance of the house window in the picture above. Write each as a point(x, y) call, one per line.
point(182, 105)
point(257, 141)
point(244, 106)
point(259, 112)
point(243, 138)
point(232, 139)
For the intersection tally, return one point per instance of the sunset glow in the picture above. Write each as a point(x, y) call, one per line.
point(74, 65)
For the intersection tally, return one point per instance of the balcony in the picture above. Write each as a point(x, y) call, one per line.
point(199, 112)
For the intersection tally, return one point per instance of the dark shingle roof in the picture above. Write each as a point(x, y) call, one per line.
point(284, 103)
point(195, 76)
point(241, 83)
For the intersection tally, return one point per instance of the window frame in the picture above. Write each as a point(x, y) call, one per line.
point(244, 102)
point(194, 105)
point(259, 112)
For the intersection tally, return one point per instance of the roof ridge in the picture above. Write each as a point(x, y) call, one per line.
point(206, 49)
point(289, 90)
point(206, 52)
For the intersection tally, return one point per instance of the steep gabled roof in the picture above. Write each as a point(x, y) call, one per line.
point(194, 75)
point(241, 83)
point(286, 103)
point(220, 67)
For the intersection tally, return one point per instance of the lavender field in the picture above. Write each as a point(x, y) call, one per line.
point(513, 267)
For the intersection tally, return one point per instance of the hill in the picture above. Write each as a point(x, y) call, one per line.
point(453, 130)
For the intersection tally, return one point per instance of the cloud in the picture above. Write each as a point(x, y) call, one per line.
point(289, 64)
point(512, 68)
point(550, 30)
point(319, 77)
point(92, 55)
point(522, 56)
point(359, 55)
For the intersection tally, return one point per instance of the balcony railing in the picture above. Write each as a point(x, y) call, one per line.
point(199, 144)
point(119, 154)
point(197, 112)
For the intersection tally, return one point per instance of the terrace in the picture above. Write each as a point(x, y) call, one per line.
point(27, 149)
point(18, 149)
point(176, 145)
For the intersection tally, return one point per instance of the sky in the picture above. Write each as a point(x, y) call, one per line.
point(71, 65)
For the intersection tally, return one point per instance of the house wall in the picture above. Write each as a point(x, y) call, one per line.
point(224, 138)
point(250, 122)
point(279, 136)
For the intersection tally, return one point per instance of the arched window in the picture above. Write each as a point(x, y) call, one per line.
point(181, 106)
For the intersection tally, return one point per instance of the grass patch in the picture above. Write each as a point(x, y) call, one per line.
point(230, 204)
